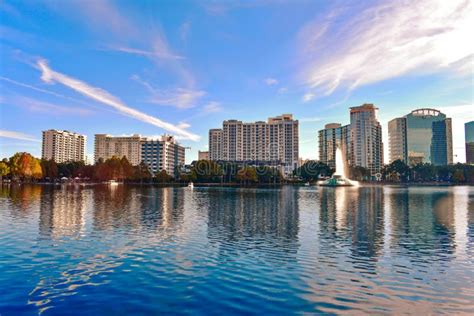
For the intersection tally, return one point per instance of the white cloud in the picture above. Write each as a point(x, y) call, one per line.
point(159, 52)
point(179, 97)
point(308, 97)
point(50, 76)
point(17, 135)
point(34, 105)
point(212, 107)
point(271, 81)
point(386, 40)
point(282, 90)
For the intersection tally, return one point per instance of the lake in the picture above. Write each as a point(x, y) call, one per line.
point(214, 251)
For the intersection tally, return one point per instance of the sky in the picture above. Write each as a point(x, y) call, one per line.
point(182, 67)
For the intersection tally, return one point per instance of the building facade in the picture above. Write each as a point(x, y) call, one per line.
point(63, 146)
point(215, 144)
point(330, 138)
point(162, 154)
point(203, 155)
point(275, 141)
point(423, 136)
point(469, 136)
point(107, 146)
point(366, 138)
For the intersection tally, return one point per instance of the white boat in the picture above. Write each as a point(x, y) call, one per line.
point(307, 184)
point(190, 185)
point(112, 182)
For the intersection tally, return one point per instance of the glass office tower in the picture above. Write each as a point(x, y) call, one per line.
point(469, 136)
point(426, 135)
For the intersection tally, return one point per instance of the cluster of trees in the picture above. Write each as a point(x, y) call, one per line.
point(21, 166)
point(206, 171)
point(25, 167)
point(398, 171)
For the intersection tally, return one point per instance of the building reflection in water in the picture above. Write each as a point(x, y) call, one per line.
point(353, 218)
point(422, 223)
point(62, 211)
point(136, 207)
point(265, 221)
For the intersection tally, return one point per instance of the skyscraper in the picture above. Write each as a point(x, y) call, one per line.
point(366, 138)
point(469, 136)
point(63, 146)
point(423, 136)
point(162, 154)
point(330, 138)
point(274, 141)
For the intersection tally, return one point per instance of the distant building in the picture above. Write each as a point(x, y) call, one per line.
point(63, 146)
point(469, 136)
point(366, 138)
point(423, 136)
point(215, 144)
point(107, 146)
point(330, 138)
point(162, 154)
point(203, 155)
point(275, 141)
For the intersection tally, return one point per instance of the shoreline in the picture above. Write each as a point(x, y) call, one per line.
point(234, 185)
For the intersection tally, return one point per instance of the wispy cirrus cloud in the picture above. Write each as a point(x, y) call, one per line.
point(159, 52)
point(212, 107)
point(17, 135)
point(34, 105)
point(270, 81)
point(383, 41)
point(50, 76)
point(180, 98)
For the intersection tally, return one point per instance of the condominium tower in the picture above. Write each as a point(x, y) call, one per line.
point(63, 146)
point(422, 136)
point(162, 154)
point(274, 141)
point(366, 138)
point(330, 138)
point(107, 146)
point(469, 136)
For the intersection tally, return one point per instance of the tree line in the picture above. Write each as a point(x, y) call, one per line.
point(26, 168)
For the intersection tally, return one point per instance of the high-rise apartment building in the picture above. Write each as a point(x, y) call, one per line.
point(274, 141)
point(162, 154)
point(423, 136)
point(215, 144)
point(366, 138)
point(330, 138)
point(107, 146)
point(63, 146)
point(469, 136)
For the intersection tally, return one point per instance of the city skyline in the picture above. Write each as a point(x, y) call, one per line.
point(152, 72)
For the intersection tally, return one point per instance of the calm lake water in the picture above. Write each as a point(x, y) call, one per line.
point(220, 251)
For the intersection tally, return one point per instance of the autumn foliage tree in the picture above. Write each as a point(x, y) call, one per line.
point(25, 167)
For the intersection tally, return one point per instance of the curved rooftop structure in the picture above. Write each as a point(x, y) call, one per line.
point(426, 112)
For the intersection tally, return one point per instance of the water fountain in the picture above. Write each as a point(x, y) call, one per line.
point(339, 178)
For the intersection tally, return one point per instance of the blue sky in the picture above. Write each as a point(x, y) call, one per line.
point(182, 67)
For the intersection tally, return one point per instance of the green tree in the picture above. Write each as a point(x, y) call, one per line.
point(163, 177)
point(247, 175)
point(49, 169)
point(268, 175)
point(142, 172)
point(312, 170)
point(4, 169)
point(396, 171)
point(207, 171)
